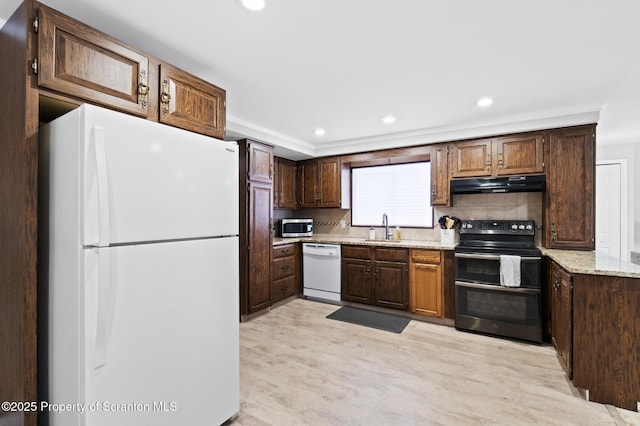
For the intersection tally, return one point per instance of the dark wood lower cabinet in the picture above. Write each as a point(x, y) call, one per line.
point(595, 328)
point(606, 338)
point(562, 316)
point(285, 272)
point(376, 276)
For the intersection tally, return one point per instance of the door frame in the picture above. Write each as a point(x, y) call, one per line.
point(624, 205)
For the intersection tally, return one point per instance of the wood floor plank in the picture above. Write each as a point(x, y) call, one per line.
point(297, 367)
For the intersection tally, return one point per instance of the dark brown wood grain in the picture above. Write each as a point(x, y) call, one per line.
point(356, 279)
point(194, 104)
point(519, 154)
point(391, 283)
point(80, 61)
point(256, 238)
point(470, 158)
point(606, 318)
point(18, 216)
point(391, 254)
point(320, 182)
point(448, 284)
point(569, 208)
point(285, 272)
point(285, 182)
point(439, 157)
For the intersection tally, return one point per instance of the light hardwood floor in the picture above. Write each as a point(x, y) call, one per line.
point(297, 367)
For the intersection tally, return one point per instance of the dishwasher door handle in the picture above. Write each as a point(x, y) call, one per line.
point(320, 250)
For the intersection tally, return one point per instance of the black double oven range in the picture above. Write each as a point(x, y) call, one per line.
point(483, 303)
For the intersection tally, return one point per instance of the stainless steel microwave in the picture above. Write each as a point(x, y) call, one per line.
point(296, 228)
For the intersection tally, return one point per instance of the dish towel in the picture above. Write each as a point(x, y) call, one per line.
point(510, 271)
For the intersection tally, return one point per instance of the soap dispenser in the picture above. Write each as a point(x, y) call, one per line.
point(372, 233)
point(396, 235)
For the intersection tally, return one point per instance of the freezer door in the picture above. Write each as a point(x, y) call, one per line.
point(159, 343)
point(143, 181)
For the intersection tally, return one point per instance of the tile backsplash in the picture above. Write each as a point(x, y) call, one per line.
point(509, 206)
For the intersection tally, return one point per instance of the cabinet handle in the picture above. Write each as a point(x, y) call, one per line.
point(554, 233)
point(500, 162)
point(143, 89)
point(488, 162)
point(165, 97)
point(285, 267)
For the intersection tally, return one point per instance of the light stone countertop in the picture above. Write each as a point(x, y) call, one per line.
point(574, 261)
point(592, 263)
point(334, 239)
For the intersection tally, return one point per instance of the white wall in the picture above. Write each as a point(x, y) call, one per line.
point(618, 137)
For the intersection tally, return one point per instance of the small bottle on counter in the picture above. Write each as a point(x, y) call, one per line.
point(396, 235)
point(372, 233)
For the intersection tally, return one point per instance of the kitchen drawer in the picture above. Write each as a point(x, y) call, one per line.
point(392, 254)
point(284, 250)
point(283, 267)
point(425, 256)
point(283, 288)
point(356, 252)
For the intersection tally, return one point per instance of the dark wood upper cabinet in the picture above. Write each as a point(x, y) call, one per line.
point(520, 154)
point(569, 207)
point(260, 162)
point(440, 175)
point(320, 182)
point(191, 103)
point(502, 156)
point(471, 158)
point(79, 61)
point(285, 193)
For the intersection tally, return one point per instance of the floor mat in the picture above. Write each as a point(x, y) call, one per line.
point(381, 321)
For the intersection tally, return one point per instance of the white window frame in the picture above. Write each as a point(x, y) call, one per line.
point(388, 187)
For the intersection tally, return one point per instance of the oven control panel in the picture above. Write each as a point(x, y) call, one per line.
point(508, 227)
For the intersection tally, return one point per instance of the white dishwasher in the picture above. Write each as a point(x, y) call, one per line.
point(321, 271)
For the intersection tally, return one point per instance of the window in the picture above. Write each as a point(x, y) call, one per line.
point(399, 190)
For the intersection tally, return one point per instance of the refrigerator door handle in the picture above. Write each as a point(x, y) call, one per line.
point(104, 302)
point(102, 180)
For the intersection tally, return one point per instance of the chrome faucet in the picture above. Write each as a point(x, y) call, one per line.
point(385, 223)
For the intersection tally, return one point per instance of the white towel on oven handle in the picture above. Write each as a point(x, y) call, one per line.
point(510, 271)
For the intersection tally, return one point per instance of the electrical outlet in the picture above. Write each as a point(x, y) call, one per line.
point(343, 224)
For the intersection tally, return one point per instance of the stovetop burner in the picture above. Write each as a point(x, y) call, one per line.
point(515, 237)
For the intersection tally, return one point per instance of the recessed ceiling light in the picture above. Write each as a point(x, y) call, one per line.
point(319, 132)
point(389, 119)
point(254, 5)
point(484, 102)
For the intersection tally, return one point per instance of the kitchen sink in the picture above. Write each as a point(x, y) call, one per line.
point(381, 240)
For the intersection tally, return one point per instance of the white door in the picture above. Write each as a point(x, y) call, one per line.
point(609, 220)
point(160, 340)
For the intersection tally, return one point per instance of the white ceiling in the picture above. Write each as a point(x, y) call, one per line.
point(343, 65)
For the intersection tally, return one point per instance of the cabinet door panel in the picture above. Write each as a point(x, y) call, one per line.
point(260, 167)
point(329, 182)
point(260, 245)
point(288, 178)
point(356, 280)
point(520, 155)
point(472, 158)
point(191, 103)
point(569, 204)
point(390, 284)
point(309, 195)
point(426, 289)
point(440, 175)
point(79, 61)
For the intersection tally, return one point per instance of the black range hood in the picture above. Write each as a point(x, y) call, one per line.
point(498, 184)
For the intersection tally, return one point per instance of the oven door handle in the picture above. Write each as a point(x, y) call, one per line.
point(490, 256)
point(499, 287)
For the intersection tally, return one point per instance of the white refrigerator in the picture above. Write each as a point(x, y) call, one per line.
point(139, 278)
